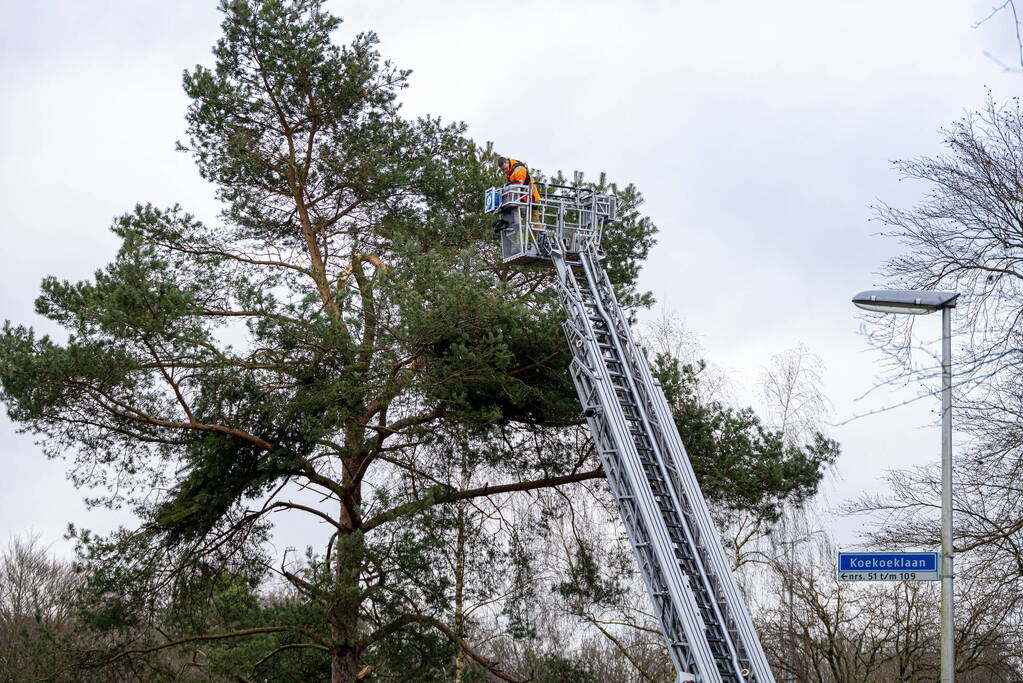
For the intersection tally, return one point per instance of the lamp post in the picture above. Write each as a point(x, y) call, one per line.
point(916, 303)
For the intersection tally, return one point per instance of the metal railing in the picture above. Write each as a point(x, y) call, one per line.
point(573, 215)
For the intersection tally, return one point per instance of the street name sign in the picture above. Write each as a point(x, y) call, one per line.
point(889, 567)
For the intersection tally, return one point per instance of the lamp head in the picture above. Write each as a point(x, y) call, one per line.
point(913, 302)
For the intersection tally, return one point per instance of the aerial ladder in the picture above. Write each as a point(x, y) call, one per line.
point(702, 614)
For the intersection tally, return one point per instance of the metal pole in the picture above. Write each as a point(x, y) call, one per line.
point(947, 622)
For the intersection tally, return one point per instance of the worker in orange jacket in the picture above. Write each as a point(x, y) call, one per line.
point(517, 174)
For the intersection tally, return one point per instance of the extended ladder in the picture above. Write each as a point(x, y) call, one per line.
point(702, 614)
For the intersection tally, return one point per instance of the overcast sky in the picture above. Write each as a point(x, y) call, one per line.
point(759, 133)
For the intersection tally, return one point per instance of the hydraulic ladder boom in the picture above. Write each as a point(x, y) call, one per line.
point(702, 614)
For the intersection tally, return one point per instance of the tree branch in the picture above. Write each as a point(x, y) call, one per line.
point(452, 495)
point(289, 646)
point(192, 639)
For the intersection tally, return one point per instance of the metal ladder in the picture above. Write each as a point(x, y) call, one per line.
point(703, 616)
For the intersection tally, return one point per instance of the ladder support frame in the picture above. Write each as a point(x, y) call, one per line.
point(702, 613)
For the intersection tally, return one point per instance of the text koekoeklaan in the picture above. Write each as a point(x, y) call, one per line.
point(889, 563)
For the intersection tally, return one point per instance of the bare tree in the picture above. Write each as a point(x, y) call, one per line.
point(669, 336)
point(36, 610)
point(1006, 7)
point(966, 235)
point(849, 632)
point(792, 388)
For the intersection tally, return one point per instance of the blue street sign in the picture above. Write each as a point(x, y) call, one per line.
point(889, 567)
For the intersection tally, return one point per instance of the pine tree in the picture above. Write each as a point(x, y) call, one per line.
point(346, 329)
point(347, 315)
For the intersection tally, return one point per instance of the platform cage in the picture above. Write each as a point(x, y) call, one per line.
point(573, 217)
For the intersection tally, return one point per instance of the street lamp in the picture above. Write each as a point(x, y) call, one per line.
point(916, 303)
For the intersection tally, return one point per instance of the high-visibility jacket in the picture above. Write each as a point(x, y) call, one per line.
point(518, 174)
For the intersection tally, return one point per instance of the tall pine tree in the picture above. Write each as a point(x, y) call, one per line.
point(344, 344)
point(347, 311)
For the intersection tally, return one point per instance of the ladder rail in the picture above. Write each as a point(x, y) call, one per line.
point(622, 338)
point(686, 481)
point(644, 527)
point(687, 489)
point(702, 612)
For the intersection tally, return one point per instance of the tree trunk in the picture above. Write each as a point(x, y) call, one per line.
point(460, 594)
point(460, 550)
point(347, 599)
point(344, 665)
